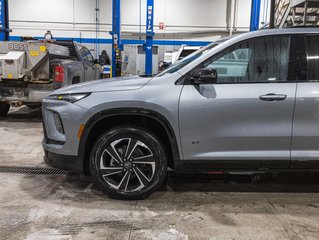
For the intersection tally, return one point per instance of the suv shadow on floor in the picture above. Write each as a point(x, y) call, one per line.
point(292, 182)
point(267, 183)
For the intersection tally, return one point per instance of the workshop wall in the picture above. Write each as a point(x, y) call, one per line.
point(184, 20)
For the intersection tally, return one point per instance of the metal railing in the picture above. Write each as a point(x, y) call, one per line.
point(290, 13)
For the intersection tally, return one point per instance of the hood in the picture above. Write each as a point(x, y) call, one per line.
point(106, 85)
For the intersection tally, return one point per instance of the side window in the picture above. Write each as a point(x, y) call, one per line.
point(256, 60)
point(86, 54)
point(89, 56)
point(312, 44)
point(83, 54)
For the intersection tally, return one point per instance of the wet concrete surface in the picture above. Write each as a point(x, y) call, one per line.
point(43, 206)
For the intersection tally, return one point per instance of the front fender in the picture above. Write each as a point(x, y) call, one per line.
point(132, 112)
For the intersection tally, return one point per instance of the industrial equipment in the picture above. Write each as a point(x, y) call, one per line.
point(134, 60)
point(29, 61)
point(31, 70)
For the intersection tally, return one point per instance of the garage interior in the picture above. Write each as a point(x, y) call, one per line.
point(41, 202)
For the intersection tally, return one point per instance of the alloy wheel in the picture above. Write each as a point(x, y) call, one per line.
point(127, 165)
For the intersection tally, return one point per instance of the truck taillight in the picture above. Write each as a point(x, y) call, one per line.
point(59, 74)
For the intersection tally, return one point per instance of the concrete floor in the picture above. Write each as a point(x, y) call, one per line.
point(69, 207)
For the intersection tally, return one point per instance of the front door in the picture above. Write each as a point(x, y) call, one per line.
point(245, 119)
point(91, 72)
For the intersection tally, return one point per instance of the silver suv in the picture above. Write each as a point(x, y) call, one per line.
point(247, 103)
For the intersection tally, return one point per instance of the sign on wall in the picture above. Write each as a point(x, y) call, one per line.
point(161, 26)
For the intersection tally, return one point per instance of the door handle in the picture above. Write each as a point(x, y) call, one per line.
point(271, 97)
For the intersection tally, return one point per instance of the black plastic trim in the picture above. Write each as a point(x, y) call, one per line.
point(236, 164)
point(134, 112)
point(64, 162)
point(222, 164)
point(306, 164)
point(51, 141)
point(47, 140)
point(246, 166)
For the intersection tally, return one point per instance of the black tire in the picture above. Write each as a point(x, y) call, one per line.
point(139, 165)
point(4, 109)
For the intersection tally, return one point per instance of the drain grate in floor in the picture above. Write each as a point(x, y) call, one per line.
point(34, 170)
point(184, 177)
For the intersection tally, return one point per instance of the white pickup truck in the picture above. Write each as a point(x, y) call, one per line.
point(31, 70)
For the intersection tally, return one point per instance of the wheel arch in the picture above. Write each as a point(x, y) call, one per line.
point(76, 79)
point(145, 118)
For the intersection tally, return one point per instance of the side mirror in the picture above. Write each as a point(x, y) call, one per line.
point(204, 76)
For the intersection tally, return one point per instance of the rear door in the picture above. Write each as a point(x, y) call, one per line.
point(305, 140)
point(245, 119)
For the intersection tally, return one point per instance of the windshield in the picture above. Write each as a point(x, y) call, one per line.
point(185, 61)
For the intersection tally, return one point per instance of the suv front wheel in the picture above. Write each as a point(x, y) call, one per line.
point(128, 162)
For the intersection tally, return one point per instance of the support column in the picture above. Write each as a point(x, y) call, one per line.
point(255, 15)
point(149, 37)
point(117, 46)
point(4, 20)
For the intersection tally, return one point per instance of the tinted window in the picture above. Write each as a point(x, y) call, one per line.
point(313, 58)
point(257, 60)
point(83, 53)
point(86, 55)
point(89, 56)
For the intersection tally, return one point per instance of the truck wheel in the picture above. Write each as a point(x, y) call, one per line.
point(75, 80)
point(128, 163)
point(4, 109)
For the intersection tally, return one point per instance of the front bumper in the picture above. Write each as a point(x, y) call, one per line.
point(73, 164)
point(62, 149)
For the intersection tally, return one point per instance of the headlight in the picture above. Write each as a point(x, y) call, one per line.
point(72, 98)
